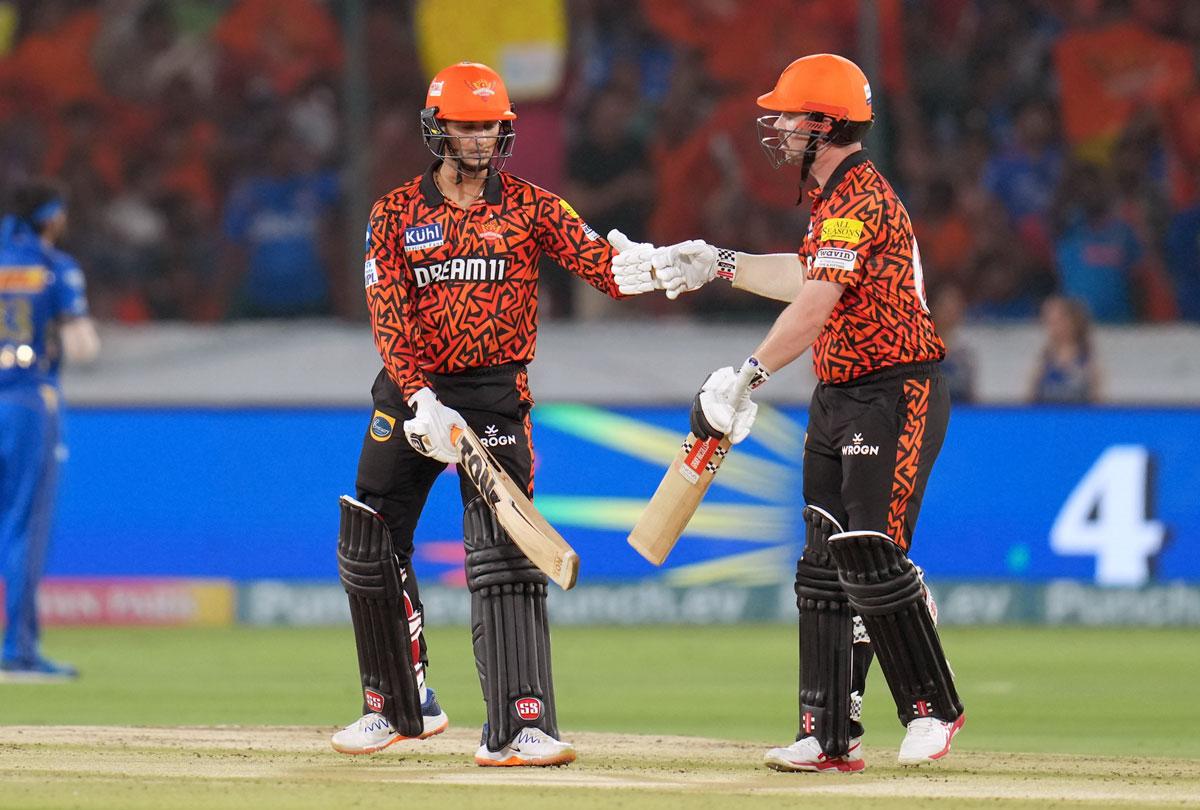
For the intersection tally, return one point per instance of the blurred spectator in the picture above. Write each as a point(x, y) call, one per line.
point(277, 46)
point(52, 63)
point(1024, 175)
point(959, 367)
point(141, 52)
point(1097, 253)
point(1067, 369)
point(277, 223)
point(609, 178)
point(1183, 259)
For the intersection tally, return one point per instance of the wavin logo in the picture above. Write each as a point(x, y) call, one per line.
point(491, 437)
point(857, 448)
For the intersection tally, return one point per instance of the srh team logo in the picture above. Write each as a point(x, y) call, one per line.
point(482, 88)
point(374, 700)
point(491, 230)
point(528, 708)
point(423, 237)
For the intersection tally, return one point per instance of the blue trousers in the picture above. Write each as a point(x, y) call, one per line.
point(29, 434)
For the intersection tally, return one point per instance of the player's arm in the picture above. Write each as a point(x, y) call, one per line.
point(798, 326)
point(688, 266)
point(571, 242)
point(77, 330)
point(390, 301)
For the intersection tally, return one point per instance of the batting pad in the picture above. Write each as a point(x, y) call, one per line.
point(826, 634)
point(886, 591)
point(381, 615)
point(509, 630)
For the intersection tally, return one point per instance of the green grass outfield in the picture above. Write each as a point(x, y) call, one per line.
point(1081, 694)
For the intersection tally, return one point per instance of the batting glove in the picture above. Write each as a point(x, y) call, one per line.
point(429, 429)
point(631, 267)
point(685, 266)
point(723, 407)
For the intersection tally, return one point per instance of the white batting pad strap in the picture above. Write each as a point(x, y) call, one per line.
point(860, 533)
point(825, 514)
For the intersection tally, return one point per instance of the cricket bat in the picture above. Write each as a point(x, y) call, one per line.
point(532, 533)
point(677, 497)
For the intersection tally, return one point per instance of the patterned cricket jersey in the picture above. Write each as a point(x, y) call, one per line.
point(452, 289)
point(859, 235)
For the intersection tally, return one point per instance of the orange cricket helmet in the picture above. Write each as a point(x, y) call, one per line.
point(835, 97)
point(467, 91)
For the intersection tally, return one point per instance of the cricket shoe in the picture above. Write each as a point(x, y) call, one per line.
point(36, 670)
point(531, 746)
point(806, 755)
point(373, 732)
point(928, 739)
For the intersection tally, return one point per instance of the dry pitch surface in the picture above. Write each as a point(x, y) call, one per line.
point(92, 766)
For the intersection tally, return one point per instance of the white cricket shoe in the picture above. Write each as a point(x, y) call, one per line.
point(372, 732)
point(531, 746)
point(806, 755)
point(928, 739)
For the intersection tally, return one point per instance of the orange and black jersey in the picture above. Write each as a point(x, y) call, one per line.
point(452, 289)
point(859, 235)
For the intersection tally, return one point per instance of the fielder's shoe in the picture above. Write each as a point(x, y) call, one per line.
point(928, 739)
point(372, 732)
point(806, 755)
point(531, 746)
point(36, 670)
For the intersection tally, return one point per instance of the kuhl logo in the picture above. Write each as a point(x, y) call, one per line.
point(528, 708)
point(423, 237)
point(858, 448)
point(374, 700)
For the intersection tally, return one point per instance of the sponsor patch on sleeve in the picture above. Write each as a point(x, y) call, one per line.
point(836, 258)
point(567, 207)
point(382, 426)
point(370, 273)
point(839, 229)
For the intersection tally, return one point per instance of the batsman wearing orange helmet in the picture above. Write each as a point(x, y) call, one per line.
point(451, 280)
point(876, 422)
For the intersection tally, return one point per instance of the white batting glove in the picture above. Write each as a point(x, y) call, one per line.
point(631, 267)
point(685, 266)
point(429, 430)
point(723, 407)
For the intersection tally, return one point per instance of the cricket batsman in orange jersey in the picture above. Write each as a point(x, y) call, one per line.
point(451, 280)
point(876, 423)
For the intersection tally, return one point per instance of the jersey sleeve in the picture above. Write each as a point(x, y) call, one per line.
point(844, 239)
point(571, 242)
point(70, 290)
point(390, 300)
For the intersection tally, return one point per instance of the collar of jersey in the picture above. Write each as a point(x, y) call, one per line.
point(433, 195)
point(843, 168)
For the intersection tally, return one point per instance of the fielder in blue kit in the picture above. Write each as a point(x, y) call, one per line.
point(43, 318)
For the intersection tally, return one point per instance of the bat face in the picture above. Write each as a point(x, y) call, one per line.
point(677, 497)
point(531, 532)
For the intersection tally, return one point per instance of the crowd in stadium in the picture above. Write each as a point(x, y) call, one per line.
point(1040, 146)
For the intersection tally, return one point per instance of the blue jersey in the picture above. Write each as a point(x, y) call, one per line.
point(39, 288)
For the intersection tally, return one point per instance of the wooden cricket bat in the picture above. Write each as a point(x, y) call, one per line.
point(677, 497)
point(532, 533)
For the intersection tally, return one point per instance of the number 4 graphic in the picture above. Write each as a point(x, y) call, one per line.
point(1108, 515)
